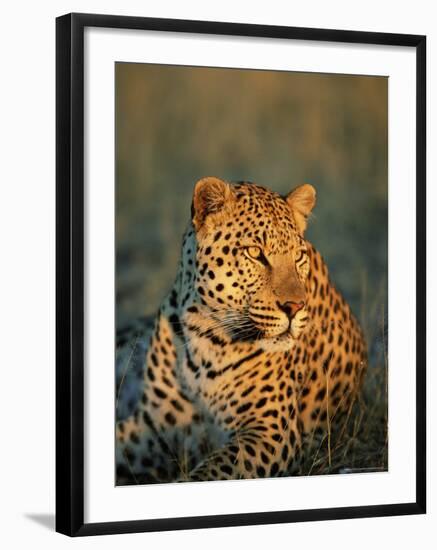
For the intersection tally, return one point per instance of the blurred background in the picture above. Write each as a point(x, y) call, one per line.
point(176, 124)
point(279, 129)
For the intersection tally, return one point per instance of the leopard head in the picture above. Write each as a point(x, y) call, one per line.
point(251, 259)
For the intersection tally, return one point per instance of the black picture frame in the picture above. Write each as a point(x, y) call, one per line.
point(70, 273)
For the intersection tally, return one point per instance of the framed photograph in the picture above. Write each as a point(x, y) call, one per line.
point(240, 274)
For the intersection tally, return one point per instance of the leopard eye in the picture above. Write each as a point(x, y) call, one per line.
point(254, 252)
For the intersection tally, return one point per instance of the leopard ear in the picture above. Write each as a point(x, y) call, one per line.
point(301, 201)
point(210, 196)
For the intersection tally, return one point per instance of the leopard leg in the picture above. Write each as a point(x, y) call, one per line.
point(252, 452)
point(147, 454)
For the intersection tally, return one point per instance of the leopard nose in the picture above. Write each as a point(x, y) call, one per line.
point(291, 308)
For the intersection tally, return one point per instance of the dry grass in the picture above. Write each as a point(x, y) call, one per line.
point(361, 444)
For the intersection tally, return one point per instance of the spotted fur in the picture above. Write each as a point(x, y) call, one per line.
point(254, 355)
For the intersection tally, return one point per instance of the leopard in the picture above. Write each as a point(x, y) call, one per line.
point(253, 357)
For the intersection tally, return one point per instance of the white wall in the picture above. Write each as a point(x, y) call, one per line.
point(27, 167)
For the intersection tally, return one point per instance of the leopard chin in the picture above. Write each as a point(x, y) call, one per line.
point(285, 342)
